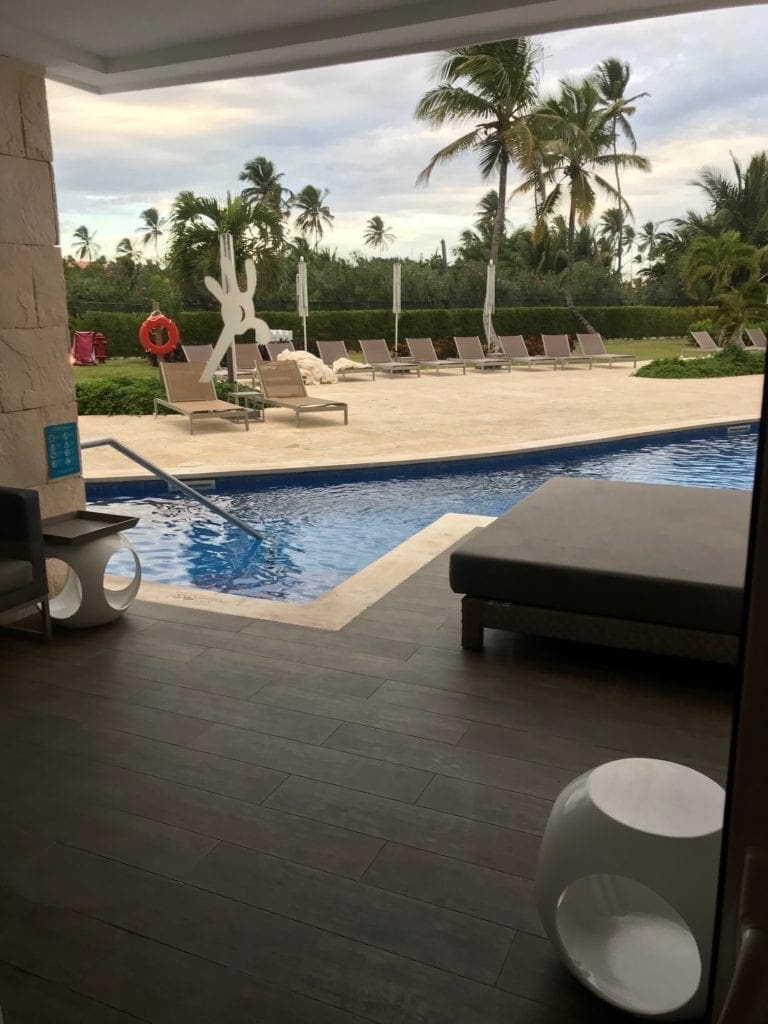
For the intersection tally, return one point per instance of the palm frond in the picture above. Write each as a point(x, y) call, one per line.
point(448, 153)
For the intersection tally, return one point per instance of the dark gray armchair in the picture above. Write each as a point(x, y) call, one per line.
point(23, 578)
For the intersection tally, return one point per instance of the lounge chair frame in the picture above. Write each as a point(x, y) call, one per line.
point(282, 386)
point(245, 353)
point(374, 350)
point(470, 351)
point(599, 354)
point(330, 351)
point(564, 357)
point(178, 377)
point(428, 357)
point(274, 348)
point(705, 346)
point(510, 342)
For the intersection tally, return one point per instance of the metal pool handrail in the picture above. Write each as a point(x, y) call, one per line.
point(98, 442)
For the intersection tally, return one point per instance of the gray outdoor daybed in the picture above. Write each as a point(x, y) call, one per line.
point(643, 566)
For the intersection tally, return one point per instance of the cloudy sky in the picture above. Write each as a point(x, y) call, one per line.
point(350, 129)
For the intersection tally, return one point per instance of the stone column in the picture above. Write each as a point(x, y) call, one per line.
point(36, 380)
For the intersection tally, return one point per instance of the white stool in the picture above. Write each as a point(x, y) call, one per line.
point(626, 884)
point(84, 601)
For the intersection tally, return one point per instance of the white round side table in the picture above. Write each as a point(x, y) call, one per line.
point(626, 884)
point(85, 542)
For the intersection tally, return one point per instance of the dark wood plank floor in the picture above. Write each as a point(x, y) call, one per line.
point(211, 819)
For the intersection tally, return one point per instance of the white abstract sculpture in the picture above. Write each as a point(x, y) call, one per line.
point(236, 308)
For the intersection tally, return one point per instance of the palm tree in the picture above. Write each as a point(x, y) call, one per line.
point(313, 214)
point(740, 205)
point(492, 86)
point(152, 225)
point(648, 239)
point(612, 232)
point(577, 137)
point(377, 235)
point(721, 262)
point(630, 240)
point(472, 247)
point(265, 186)
point(611, 79)
point(487, 213)
point(126, 248)
point(198, 221)
point(84, 244)
point(737, 309)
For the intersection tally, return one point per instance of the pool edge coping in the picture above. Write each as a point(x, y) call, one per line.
point(344, 602)
point(524, 449)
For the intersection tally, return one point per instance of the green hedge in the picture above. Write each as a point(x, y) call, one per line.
point(732, 362)
point(121, 329)
point(117, 396)
point(125, 396)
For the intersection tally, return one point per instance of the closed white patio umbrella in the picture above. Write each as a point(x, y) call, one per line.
point(302, 298)
point(489, 308)
point(396, 279)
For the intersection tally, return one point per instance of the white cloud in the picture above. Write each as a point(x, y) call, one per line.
point(350, 129)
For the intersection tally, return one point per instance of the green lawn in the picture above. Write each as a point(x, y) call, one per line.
point(651, 348)
point(117, 368)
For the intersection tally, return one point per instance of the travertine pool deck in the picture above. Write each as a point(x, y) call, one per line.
point(430, 417)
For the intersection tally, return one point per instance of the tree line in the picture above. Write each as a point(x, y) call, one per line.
point(567, 152)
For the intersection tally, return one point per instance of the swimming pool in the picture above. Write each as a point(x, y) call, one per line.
point(325, 526)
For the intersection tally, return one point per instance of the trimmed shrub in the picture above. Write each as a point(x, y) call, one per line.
point(123, 395)
point(198, 328)
point(117, 396)
point(732, 362)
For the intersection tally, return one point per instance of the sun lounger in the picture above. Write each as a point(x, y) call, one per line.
point(514, 348)
point(423, 352)
point(705, 344)
point(376, 354)
point(201, 354)
point(592, 345)
point(558, 347)
point(332, 351)
point(246, 356)
point(609, 562)
point(757, 338)
point(282, 386)
point(470, 351)
point(186, 395)
point(274, 348)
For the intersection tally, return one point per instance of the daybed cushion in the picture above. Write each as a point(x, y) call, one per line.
point(645, 552)
point(15, 574)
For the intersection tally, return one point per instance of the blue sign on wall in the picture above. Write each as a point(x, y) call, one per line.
point(63, 450)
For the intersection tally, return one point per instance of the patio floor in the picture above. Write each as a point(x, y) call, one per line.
point(215, 819)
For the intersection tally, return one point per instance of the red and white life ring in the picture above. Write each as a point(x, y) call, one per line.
point(152, 323)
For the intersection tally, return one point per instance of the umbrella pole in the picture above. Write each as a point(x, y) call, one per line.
point(397, 317)
point(304, 324)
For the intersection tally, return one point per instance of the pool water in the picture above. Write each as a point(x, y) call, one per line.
point(324, 526)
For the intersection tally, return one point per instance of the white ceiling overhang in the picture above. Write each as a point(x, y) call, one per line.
point(114, 45)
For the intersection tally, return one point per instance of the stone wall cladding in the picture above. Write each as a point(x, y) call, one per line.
point(36, 383)
point(33, 373)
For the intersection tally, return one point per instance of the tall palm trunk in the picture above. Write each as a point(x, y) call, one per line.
point(498, 223)
point(620, 247)
point(570, 260)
